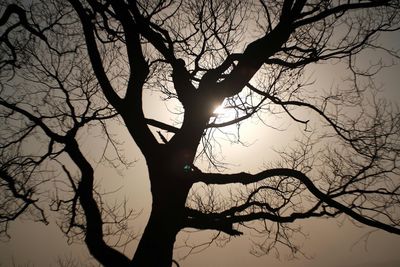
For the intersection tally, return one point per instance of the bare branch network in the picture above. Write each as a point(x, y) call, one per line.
point(70, 69)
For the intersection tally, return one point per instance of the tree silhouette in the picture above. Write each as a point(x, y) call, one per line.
point(70, 66)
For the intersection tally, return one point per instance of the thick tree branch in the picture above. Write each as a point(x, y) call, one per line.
point(21, 13)
point(199, 220)
point(249, 62)
point(139, 68)
point(38, 121)
point(246, 178)
point(94, 55)
point(105, 254)
point(341, 9)
point(132, 108)
point(163, 44)
point(162, 125)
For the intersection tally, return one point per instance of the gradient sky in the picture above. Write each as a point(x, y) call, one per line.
point(333, 242)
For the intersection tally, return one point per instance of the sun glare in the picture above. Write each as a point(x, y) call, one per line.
point(223, 113)
point(219, 110)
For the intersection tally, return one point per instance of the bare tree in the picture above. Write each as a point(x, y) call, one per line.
point(69, 66)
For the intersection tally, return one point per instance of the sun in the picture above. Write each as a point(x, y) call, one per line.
point(219, 110)
point(224, 113)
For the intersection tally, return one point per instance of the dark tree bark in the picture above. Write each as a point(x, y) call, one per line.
point(169, 187)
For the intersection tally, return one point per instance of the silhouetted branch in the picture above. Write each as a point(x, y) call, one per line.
point(246, 178)
point(162, 125)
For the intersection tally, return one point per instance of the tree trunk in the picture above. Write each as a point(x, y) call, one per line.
point(169, 187)
point(156, 245)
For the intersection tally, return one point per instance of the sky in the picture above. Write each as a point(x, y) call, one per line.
point(330, 243)
point(333, 242)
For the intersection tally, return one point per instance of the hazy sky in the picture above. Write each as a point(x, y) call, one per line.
point(333, 242)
